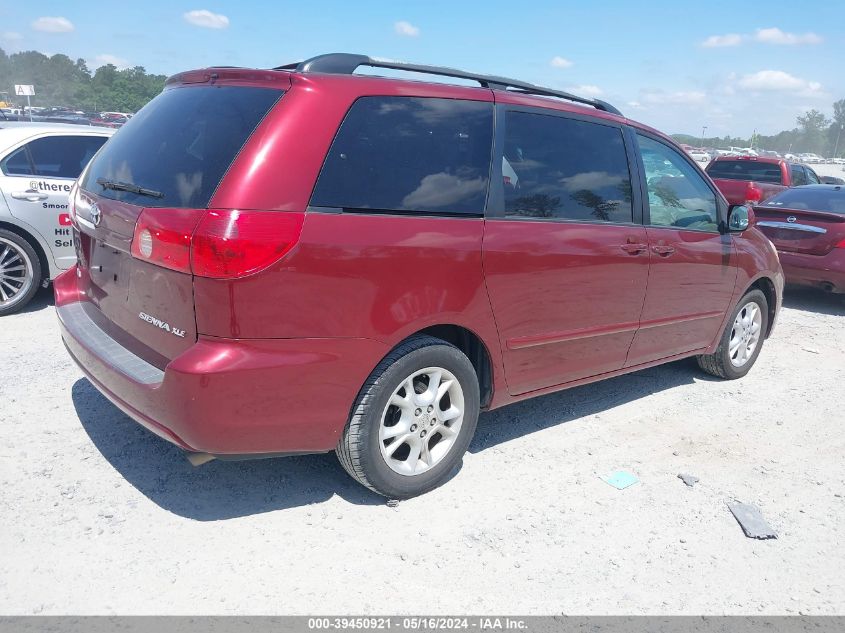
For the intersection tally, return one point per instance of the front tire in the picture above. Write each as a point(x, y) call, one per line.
point(413, 419)
point(20, 272)
point(742, 340)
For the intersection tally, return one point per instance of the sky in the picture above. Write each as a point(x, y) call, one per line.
point(732, 67)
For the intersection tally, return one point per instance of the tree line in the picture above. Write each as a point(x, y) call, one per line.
point(813, 133)
point(60, 81)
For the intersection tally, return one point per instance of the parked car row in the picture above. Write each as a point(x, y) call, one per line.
point(65, 115)
point(305, 259)
point(706, 154)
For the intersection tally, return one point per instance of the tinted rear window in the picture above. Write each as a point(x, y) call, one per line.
point(557, 167)
point(810, 198)
point(181, 144)
point(745, 170)
point(409, 154)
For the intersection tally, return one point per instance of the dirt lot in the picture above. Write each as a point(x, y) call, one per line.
point(99, 516)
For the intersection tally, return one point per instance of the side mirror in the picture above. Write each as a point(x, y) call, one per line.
point(740, 219)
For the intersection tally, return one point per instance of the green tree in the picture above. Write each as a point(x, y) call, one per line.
point(836, 132)
point(61, 81)
point(813, 125)
point(839, 112)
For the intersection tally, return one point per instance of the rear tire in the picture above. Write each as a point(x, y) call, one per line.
point(742, 339)
point(402, 444)
point(20, 272)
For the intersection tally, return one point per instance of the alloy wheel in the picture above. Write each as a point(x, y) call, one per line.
point(16, 275)
point(421, 421)
point(745, 334)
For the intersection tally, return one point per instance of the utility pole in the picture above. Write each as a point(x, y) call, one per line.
point(838, 134)
point(703, 130)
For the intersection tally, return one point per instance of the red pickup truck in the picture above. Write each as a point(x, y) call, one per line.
point(753, 179)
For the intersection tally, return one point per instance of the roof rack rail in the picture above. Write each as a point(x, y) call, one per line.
point(348, 63)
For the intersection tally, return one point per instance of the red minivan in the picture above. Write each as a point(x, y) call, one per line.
point(305, 259)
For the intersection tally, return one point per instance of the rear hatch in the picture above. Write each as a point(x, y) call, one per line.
point(793, 228)
point(158, 172)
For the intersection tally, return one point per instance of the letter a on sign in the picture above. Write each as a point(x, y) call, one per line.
point(24, 91)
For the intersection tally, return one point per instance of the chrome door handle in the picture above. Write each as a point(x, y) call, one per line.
point(634, 249)
point(664, 251)
point(30, 195)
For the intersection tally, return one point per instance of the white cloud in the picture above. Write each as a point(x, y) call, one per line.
point(766, 36)
point(636, 105)
point(678, 97)
point(560, 62)
point(106, 58)
point(778, 81)
point(441, 190)
point(719, 41)
point(406, 28)
point(588, 180)
point(776, 36)
point(53, 25)
point(206, 19)
point(587, 90)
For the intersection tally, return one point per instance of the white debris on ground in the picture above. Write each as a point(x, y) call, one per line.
point(99, 516)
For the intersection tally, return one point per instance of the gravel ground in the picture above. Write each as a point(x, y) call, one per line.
point(99, 516)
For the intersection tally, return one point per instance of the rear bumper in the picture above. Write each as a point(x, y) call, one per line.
point(823, 271)
point(229, 397)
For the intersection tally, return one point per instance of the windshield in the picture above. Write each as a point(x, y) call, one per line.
point(745, 170)
point(179, 145)
point(823, 198)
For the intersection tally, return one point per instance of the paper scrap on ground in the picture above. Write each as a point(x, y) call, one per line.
point(689, 480)
point(751, 521)
point(620, 479)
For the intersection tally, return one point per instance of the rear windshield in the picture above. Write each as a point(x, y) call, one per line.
point(812, 198)
point(745, 170)
point(180, 144)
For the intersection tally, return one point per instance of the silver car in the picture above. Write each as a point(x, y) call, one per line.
point(39, 163)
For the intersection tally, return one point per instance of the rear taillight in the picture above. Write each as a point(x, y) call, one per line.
point(163, 237)
point(213, 243)
point(753, 193)
point(235, 243)
point(841, 244)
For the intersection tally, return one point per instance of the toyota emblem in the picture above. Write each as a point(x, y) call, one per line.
point(96, 215)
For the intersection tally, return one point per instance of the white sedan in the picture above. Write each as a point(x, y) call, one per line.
point(39, 163)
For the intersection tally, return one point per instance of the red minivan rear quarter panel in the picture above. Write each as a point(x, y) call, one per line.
point(358, 275)
point(361, 275)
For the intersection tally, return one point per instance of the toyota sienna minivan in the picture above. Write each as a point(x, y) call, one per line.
point(306, 259)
